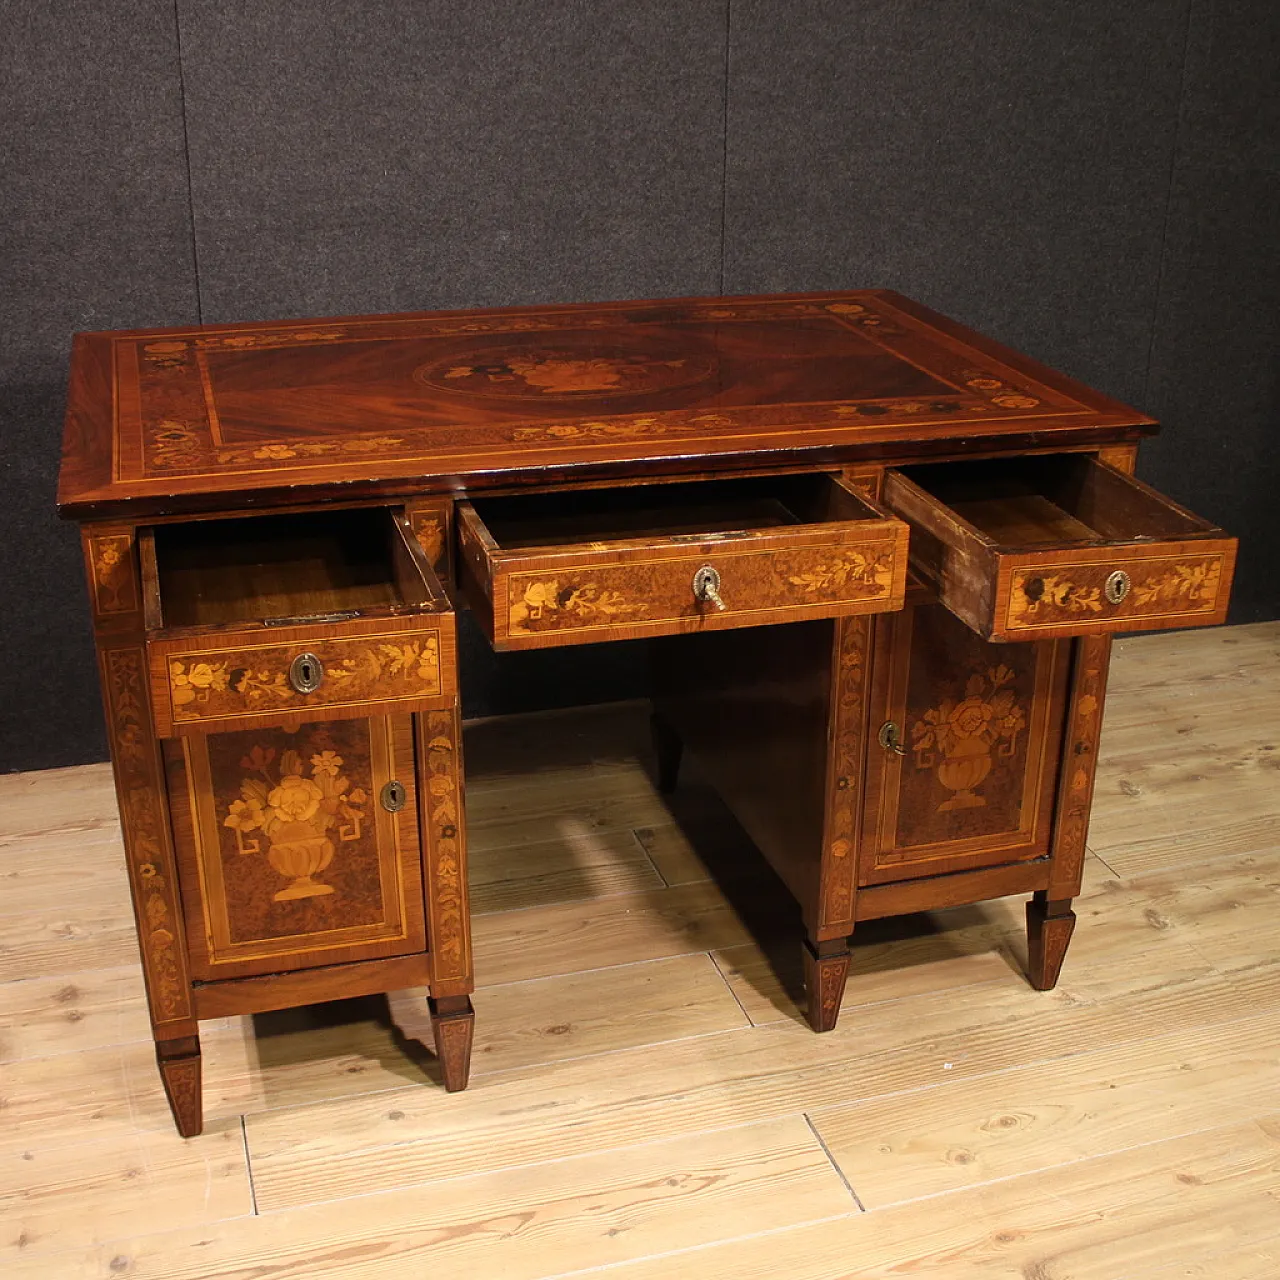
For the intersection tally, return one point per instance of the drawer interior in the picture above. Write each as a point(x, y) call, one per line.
point(1057, 499)
point(692, 509)
point(279, 568)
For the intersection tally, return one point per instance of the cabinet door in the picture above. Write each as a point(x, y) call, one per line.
point(295, 848)
point(979, 730)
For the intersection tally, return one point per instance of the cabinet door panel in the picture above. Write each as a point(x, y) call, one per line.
point(980, 726)
point(288, 856)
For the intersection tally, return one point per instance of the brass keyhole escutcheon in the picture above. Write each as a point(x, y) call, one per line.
point(1116, 586)
point(889, 738)
point(393, 796)
point(306, 673)
point(706, 586)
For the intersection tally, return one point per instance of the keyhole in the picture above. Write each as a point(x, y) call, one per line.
point(306, 673)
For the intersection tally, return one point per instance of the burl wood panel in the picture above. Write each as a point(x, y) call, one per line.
point(980, 726)
point(358, 406)
point(288, 854)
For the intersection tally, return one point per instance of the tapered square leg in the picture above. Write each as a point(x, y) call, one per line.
point(453, 1022)
point(1049, 929)
point(668, 749)
point(826, 967)
point(179, 1063)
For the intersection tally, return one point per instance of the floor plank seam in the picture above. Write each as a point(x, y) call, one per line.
point(751, 1022)
point(488, 1171)
point(248, 1166)
point(482, 987)
point(826, 1151)
point(1184, 868)
point(969, 1187)
point(1089, 849)
point(648, 857)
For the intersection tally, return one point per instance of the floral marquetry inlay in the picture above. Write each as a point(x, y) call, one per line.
point(245, 682)
point(552, 602)
point(300, 809)
point(1076, 592)
point(961, 740)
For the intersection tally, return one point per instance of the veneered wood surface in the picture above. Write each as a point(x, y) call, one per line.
point(1017, 564)
point(167, 420)
point(233, 680)
point(847, 558)
point(981, 726)
point(754, 708)
point(232, 996)
point(375, 617)
point(338, 878)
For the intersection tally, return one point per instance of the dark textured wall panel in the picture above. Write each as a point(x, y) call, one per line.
point(94, 234)
point(1215, 369)
point(424, 153)
point(1006, 162)
point(348, 157)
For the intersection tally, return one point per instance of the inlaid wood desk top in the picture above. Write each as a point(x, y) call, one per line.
point(215, 416)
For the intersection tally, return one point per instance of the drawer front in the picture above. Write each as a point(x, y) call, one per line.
point(1110, 592)
point(1057, 546)
point(205, 683)
point(651, 593)
point(288, 855)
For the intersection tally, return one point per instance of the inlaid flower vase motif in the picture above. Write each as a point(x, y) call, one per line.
point(296, 814)
point(961, 740)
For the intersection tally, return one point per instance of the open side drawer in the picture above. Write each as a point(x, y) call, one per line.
point(1059, 545)
point(325, 614)
point(649, 560)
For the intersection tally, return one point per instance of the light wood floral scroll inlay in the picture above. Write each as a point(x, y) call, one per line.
point(443, 807)
point(253, 681)
point(638, 593)
point(113, 576)
point(551, 603)
point(1074, 593)
point(961, 740)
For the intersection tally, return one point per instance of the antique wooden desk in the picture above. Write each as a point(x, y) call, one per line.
point(279, 521)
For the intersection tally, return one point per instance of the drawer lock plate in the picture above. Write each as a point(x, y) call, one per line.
point(306, 673)
point(706, 586)
point(393, 796)
point(1116, 586)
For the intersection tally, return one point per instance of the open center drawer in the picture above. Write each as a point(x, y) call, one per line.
point(648, 560)
point(261, 618)
point(1059, 545)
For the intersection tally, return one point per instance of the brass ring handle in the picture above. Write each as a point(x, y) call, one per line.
point(889, 739)
point(706, 587)
point(1116, 586)
point(306, 672)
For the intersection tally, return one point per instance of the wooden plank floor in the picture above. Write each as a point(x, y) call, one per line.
point(645, 1103)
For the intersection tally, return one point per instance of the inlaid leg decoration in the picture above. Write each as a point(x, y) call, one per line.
point(826, 966)
point(1049, 927)
point(668, 748)
point(179, 1062)
point(453, 1022)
